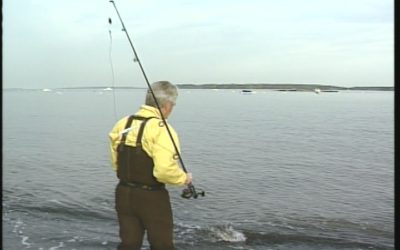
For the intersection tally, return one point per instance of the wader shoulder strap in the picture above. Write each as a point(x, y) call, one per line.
point(140, 133)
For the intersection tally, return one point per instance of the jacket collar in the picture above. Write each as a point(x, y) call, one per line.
point(148, 111)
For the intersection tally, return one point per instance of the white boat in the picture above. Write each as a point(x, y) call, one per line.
point(317, 90)
point(108, 89)
point(46, 90)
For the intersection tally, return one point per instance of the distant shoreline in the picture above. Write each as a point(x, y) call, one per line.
point(282, 87)
point(248, 86)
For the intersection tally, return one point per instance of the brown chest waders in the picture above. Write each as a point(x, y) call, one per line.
point(142, 203)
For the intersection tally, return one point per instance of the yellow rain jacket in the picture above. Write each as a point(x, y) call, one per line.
point(155, 142)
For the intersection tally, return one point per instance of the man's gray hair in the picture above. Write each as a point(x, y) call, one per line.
point(164, 92)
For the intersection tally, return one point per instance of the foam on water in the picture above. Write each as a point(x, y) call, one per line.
point(24, 239)
point(61, 244)
point(228, 233)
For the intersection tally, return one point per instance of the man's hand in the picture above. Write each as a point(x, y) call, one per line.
point(188, 178)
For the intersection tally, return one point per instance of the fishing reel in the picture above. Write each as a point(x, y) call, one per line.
point(190, 192)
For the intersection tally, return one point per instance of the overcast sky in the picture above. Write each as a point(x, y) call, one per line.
point(54, 43)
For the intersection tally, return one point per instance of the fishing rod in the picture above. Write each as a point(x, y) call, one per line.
point(190, 191)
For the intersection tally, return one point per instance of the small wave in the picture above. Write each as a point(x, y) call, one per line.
point(196, 234)
point(309, 240)
point(56, 201)
point(61, 244)
point(24, 239)
point(236, 237)
point(228, 233)
point(18, 230)
point(68, 210)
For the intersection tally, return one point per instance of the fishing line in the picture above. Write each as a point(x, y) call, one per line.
point(190, 191)
point(112, 70)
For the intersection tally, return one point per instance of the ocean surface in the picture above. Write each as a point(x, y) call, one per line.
point(281, 170)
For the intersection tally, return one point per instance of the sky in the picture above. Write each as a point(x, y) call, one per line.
point(55, 44)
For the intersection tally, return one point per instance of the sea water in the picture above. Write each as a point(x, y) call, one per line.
point(281, 170)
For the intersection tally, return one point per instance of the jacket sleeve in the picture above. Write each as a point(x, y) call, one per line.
point(166, 167)
point(115, 138)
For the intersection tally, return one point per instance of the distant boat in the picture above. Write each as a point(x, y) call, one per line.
point(246, 91)
point(46, 90)
point(108, 89)
point(317, 90)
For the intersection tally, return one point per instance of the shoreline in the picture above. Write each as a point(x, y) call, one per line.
point(248, 86)
point(281, 87)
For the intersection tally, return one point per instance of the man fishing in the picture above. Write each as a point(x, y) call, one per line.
point(143, 152)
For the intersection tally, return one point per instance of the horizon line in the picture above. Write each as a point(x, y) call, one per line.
point(200, 84)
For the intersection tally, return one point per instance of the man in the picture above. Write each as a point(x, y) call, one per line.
point(145, 160)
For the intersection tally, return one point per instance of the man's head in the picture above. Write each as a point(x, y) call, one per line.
point(166, 94)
